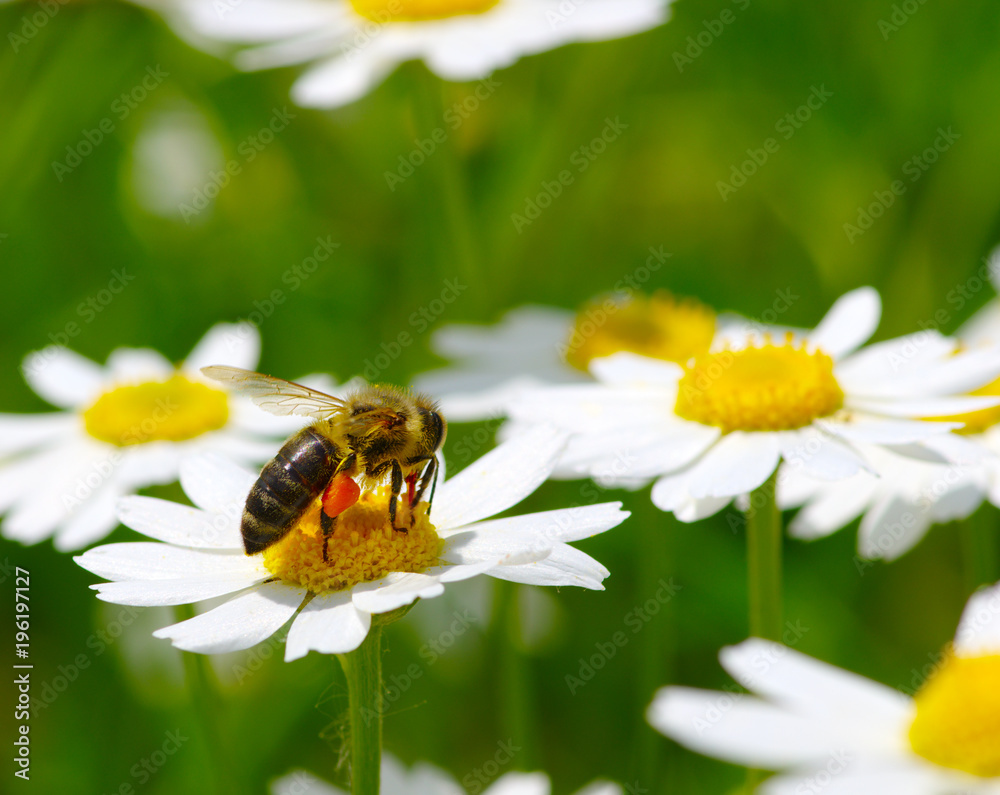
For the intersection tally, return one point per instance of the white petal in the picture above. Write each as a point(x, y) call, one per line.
point(215, 483)
point(234, 344)
point(500, 479)
point(958, 449)
point(91, 521)
point(456, 572)
point(738, 728)
point(564, 565)
point(64, 378)
point(563, 524)
point(979, 628)
point(24, 431)
point(341, 80)
point(922, 407)
point(181, 524)
point(891, 527)
point(959, 502)
point(844, 774)
point(738, 463)
point(694, 510)
point(825, 694)
point(836, 505)
point(329, 624)
point(395, 590)
point(470, 547)
point(259, 20)
point(150, 560)
point(242, 622)
point(515, 783)
point(632, 369)
point(635, 453)
point(137, 365)
point(20, 476)
point(851, 320)
point(175, 592)
point(595, 407)
point(299, 782)
point(951, 375)
point(813, 453)
point(884, 431)
point(75, 472)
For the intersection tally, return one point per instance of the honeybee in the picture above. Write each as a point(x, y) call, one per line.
point(378, 430)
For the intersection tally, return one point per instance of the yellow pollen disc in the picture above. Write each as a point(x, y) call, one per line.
point(659, 326)
point(976, 421)
point(416, 10)
point(958, 716)
point(768, 388)
point(171, 410)
point(363, 546)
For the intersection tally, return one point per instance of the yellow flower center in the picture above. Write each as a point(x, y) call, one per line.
point(171, 410)
point(958, 716)
point(766, 388)
point(363, 546)
point(659, 326)
point(977, 421)
point(383, 11)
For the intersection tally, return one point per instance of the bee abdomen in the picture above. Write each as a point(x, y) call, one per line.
point(286, 486)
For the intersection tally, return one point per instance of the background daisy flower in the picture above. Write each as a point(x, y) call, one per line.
point(718, 426)
point(123, 426)
point(837, 732)
point(539, 345)
point(907, 490)
point(355, 44)
point(898, 505)
point(372, 569)
point(426, 779)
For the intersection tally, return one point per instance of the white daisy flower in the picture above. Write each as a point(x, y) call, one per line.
point(538, 345)
point(123, 426)
point(371, 569)
point(355, 44)
point(910, 494)
point(426, 779)
point(837, 733)
point(717, 426)
point(898, 505)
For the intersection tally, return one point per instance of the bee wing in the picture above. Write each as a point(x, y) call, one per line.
point(276, 395)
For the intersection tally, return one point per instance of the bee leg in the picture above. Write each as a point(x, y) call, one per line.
point(429, 475)
point(397, 487)
point(327, 525)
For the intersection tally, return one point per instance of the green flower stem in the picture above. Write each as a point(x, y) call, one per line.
point(654, 558)
point(363, 670)
point(206, 712)
point(516, 707)
point(764, 536)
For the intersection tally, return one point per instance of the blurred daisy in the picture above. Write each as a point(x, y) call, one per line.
point(836, 732)
point(538, 345)
point(718, 426)
point(428, 780)
point(355, 44)
point(371, 568)
point(123, 426)
point(898, 506)
point(910, 494)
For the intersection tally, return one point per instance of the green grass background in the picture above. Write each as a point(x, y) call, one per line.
point(656, 185)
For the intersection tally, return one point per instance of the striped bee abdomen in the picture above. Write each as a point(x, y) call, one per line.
point(287, 484)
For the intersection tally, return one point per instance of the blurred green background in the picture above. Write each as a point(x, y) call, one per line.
point(889, 91)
